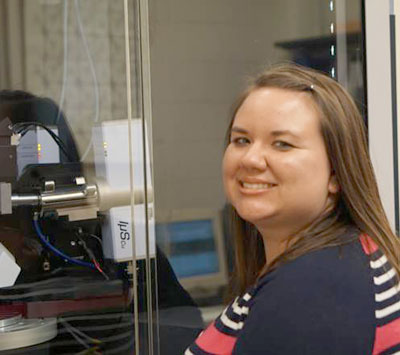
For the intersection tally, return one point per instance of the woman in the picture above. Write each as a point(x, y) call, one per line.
point(317, 265)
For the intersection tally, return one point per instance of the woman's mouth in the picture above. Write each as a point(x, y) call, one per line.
point(256, 186)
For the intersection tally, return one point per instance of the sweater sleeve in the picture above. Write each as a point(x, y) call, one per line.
point(321, 303)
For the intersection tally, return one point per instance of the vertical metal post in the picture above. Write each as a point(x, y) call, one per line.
point(147, 137)
point(131, 168)
point(379, 98)
point(393, 65)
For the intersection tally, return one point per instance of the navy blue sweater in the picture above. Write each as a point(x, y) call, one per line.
point(338, 300)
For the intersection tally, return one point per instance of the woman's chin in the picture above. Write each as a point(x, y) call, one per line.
point(256, 217)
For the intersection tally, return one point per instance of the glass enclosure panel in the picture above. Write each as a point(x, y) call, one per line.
point(77, 232)
point(202, 53)
point(78, 115)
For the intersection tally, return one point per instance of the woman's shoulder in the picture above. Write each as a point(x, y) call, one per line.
point(344, 264)
point(322, 302)
point(342, 273)
point(336, 300)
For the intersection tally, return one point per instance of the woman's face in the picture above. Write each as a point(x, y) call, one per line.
point(276, 170)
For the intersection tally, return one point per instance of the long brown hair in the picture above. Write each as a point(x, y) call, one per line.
point(358, 205)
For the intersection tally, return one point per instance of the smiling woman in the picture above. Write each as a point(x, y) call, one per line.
point(276, 149)
point(317, 265)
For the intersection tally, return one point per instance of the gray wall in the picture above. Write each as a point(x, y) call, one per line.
point(201, 54)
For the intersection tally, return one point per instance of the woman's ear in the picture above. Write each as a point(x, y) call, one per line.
point(333, 185)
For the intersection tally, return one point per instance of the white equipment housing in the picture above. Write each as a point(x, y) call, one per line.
point(37, 147)
point(9, 268)
point(111, 152)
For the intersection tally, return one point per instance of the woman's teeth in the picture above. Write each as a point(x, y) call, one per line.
point(256, 186)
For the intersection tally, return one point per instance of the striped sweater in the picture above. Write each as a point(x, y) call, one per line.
point(342, 300)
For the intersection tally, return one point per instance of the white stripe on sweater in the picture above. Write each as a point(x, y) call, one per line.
point(230, 323)
point(381, 313)
point(239, 310)
point(383, 296)
point(247, 297)
point(379, 262)
point(379, 280)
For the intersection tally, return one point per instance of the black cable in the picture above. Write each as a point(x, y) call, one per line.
point(56, 251)
point(92, 257)
point(26, 125)
point(23, 127)
point(52, 134)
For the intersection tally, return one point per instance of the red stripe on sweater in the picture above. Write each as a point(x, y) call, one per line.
point(215, 342)
point(387, 336)
point(368, 244)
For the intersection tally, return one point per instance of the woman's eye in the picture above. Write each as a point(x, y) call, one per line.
point(282, 145)
point(240, 140)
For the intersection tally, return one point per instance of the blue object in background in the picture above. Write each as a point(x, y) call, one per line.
point(192, 247)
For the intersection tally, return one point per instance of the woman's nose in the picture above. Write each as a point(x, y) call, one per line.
point(255, 158)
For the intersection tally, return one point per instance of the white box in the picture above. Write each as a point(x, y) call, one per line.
point(37, 147)
point(111, 151)
point(9, 269)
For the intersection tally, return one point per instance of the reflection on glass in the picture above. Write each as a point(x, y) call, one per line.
point(68, 61)
point(73, 221)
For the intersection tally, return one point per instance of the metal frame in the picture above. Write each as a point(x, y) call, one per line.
point(382, 111)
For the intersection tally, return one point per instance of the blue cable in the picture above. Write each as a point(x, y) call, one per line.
point(43, 238)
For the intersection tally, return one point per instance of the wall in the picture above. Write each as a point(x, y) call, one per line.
point(201, 54)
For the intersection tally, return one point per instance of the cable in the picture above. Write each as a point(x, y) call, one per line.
point(59, 253)
point(77, 338)
point(23, 127)
point(75, 330)
point(26, 126)
point(93, 71)
point(65, 61)
point(95, 237)
point(91, 351)
point(93, 257)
